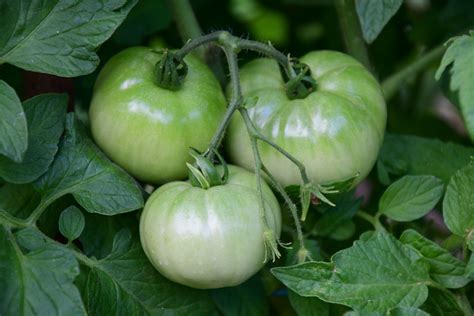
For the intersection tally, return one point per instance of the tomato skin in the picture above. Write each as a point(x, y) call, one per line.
point(208, 238)
point(335, 132)
point(146, 129)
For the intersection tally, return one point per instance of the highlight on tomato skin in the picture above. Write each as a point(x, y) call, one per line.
point(336, 131)
point(208, 238)
point(147, 129)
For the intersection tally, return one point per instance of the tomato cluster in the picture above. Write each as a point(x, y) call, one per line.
point(213, 237)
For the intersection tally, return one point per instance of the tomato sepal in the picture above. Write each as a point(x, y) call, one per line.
point(170, 71)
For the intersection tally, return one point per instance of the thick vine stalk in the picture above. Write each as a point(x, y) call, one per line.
point(351, 31)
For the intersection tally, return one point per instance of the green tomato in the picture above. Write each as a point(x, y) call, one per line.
point(208, 238)
point(336, 131)
point(147, 129)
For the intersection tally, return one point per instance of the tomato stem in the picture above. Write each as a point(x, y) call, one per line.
point(194, 43)
point(351, 32)
point(295, 161)
point(291, 206)
point(185, 19)
point(391, 84)
point(10, 220)
point(235, 101)
point(374, 220)
point(38, 211)
point(299, 85)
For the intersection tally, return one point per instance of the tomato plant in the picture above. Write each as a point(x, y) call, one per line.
point(357, 187)
point(155, 127)
point(208, 238)
point(336, 131)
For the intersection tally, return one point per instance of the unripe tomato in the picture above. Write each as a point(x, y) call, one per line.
point(147, 129)
point(336, 131)
point(208, 238)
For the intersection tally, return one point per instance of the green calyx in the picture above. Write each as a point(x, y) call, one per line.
point(170, 71)
point(300, 86)
point(203, 173)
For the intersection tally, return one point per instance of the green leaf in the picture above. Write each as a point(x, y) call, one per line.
point(470, 240)
point(356, 313)
point(13, 128)
point(442, 303)
point(333, 217)
point(82, 170)
point(401, 155)
point(375, 275)
point(45, 115)
point(99, 232)
point(398, 311)
point(460, 54)
point(374, 15)
point(31, 238)
point(445, 269)
point(18, 199)
point(71, 223)
point(407, 311)
point(470, 268)
point(126, 276)
point(38, 280)
point(308, 306)
point(458, 203)
point(411, 197)
point(247, 299)
point(58, 37)
point(344, 231)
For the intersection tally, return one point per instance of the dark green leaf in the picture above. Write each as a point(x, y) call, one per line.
point(247, 299)
point(458, 203)
point(442, 303)
point(411, 197)
point(445, 269)
point(460, 54)
point(129, 278)
point(344, 231)
point(407, 311)
point(45, 115)
point(81, 169)
point(356, 313)
point(58, 37)
point(375, 275)
point(470, 267)
point(374, 15)
point(37, 282)
point(99, 232)
point(71, 223)
point(31, 238)
point(13, 128)
point(18, 199)
point(401, 155)
point(308, 306)
point(121, 242)
point(333, 217)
